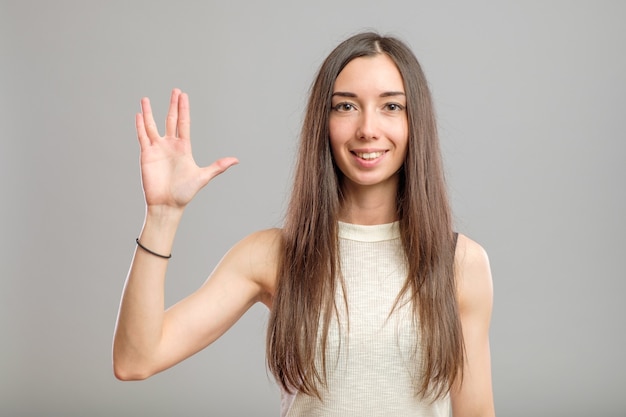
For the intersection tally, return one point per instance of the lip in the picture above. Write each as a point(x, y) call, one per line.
point(368, 163)
point(368, 150)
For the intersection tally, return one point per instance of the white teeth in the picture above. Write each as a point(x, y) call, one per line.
point(368, 155)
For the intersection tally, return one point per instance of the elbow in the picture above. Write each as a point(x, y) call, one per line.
point(133, 362)
point(128, 374)
point(128, 369)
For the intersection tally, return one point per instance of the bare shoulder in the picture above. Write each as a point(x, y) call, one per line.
point(256, 257)
point(473, 274)
point(262, 240)
point(474, 397)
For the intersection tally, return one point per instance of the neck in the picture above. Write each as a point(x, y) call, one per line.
point(369, 205)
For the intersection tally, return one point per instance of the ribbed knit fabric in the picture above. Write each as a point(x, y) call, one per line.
point(372, 358)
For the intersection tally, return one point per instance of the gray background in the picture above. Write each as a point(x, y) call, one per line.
point(531, 104)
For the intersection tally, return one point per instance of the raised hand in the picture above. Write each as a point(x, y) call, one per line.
point(169, 174)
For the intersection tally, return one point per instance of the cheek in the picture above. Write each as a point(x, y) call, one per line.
point(402, 136)
point(404, 141)
point(339, 134)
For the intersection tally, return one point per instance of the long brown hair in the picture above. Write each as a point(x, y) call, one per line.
point(305, 296)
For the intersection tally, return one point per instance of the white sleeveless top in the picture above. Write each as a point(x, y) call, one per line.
point(372, 365)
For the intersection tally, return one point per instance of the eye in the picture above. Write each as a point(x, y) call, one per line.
point(343, 107)
point(394, 107)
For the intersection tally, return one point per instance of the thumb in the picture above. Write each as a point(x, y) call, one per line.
point(216, 168)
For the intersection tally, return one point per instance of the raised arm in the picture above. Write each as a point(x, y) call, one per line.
point(474, 397)
point(147, 338)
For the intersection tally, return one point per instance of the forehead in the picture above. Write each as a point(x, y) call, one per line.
point(376, 73)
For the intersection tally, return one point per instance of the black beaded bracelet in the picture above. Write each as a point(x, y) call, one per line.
point(151, 252)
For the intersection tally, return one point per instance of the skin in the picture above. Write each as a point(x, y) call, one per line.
point(365, 118)
point(369, 116)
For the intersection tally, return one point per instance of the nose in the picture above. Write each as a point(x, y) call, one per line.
point(368, 126)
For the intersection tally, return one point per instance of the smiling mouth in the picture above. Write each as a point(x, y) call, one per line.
point(368, 156)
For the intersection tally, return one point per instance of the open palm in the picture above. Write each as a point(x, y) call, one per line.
point(169, 174)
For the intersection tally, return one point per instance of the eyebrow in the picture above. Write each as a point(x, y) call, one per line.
point(385, 94)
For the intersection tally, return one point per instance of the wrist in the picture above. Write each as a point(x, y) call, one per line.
point(159, 229)
point(164, 214)
point(161, 221)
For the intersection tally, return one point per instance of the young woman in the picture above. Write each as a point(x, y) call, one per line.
point(376, 306)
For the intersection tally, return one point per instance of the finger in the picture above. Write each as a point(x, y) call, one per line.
point(216, 168)
point(184, 119)
point(148, 120)
point(142, 136)
point(172, 114)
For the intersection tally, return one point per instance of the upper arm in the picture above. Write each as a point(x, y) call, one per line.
point(245, 275)
point(473, 395)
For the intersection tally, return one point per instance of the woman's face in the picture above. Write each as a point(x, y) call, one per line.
point(368, 122)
